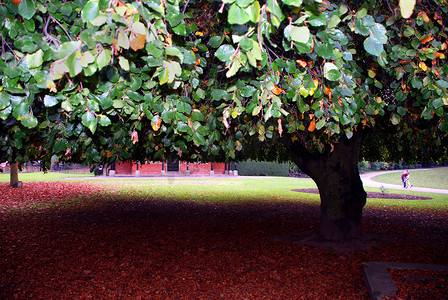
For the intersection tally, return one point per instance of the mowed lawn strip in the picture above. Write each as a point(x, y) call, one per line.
point(43, 176)
point(436, 178)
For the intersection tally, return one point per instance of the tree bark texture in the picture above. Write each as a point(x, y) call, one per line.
point(14, 175)
point(336, 174)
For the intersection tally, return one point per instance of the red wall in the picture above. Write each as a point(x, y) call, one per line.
point(123, 167)
point(155, 168)
point(152, 168)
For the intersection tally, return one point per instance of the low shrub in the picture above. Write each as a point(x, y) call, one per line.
point(262, 168)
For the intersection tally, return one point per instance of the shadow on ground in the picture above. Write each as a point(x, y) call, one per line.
point(130, 248)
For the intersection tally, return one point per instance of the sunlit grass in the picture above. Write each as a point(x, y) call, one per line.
point(257, 190)
point(41, 176)
point(432, 178)
point(223, 191)
point(226, 190)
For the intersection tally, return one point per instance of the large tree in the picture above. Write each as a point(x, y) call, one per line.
point(104, 80)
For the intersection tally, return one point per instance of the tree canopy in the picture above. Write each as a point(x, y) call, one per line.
point(104, 80)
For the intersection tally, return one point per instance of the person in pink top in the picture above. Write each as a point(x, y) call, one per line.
point(405, 178)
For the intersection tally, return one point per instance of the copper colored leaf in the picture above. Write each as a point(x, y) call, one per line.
point(312, 125)
point(137, 41)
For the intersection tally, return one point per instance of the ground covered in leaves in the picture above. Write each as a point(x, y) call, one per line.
point(81, 240)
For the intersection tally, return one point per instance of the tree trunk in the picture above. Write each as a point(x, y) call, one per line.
point(336, 174)
point(14, 175)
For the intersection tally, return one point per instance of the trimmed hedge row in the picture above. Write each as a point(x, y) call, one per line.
point(263, 168)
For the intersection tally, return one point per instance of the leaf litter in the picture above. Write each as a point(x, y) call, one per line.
point(85, 240)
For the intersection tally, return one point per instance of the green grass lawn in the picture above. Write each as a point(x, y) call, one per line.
point(41, 176)
point(266, 190)
point(432, 178)
point(239, 190)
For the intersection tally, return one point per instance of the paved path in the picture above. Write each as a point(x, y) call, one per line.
point(368, 180)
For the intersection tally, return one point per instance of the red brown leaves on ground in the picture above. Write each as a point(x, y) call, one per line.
point(420, 284)
point(44, 194)
point(75, 241)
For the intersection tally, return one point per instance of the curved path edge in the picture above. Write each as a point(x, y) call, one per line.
point(368, 180)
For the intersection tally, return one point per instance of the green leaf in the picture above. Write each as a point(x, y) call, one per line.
point(395, 119)
point(325, 50)
point(103, 58)
point(247, 91)
point(437, 103)
point(184, 107)
point(174, 69)
point(174, 51)
point(4, 100)
point(320, 124)
point(35, 60)
point(60, 146)
point(331, 72)
point(67, 106)
point(235, 66)
point(218, 95)
point(124, 63)
point(334, 21)
point(442, 83)
point(122, 39)
point(407, 7)
point(247, 44)
point(274, 8)
point(90, 121)
point(198, 139)
point(256, 110)
point(254, 12)
point(196, 115)
point(379, 32)
point(416, 83)
point(27, 9)
point(362, 13)
point(180, 30)
point(29, 120)
point(189, 57)
point(299, 34)
point(90, 11)
point(317, 20)
point(444, 126)
point(304, 48)
point(174, 19)
point(215, 41)
point(296, 3)
point(50, 101)
point(68, 48)
point(104, 120)
point(237, 15)
point(74, 65)
point(373, 46)
point(163, 75)
point(20, 110)
point(244, 3)
point(225, 52)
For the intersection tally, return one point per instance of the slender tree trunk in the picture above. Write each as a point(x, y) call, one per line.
point(342, 194)
point(14, 175)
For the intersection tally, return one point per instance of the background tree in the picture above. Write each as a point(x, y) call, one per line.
point(149, 79)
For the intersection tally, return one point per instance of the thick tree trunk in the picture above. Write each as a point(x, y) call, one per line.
point(14, 175)
point(342, 194)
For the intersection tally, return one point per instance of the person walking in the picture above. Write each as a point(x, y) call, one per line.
point(405, 178)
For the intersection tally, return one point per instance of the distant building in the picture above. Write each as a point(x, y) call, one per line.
point(171, 167)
